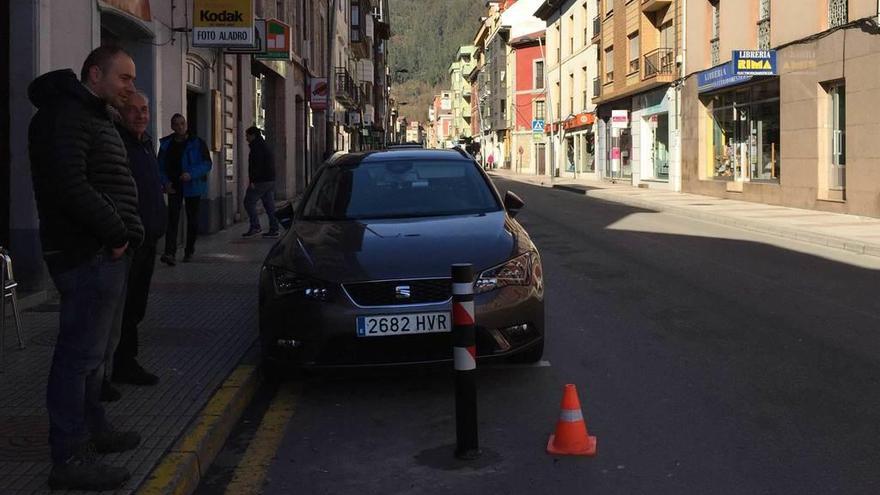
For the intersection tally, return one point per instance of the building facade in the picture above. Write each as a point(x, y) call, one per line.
point(221, 94)
point(805, 137)
point(638, 106)
point(440, 119)
point(571, 68)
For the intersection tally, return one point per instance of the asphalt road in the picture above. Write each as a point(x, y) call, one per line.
point(708, 360)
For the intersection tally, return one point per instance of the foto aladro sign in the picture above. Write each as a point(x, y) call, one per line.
point(223, 23)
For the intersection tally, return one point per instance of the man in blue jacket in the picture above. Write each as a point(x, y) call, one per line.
point(184, 164)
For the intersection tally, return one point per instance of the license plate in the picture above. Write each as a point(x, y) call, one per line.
point(413, 323)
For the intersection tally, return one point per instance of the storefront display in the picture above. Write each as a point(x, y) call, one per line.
point(745, 132)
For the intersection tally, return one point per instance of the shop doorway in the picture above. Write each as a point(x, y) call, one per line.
point(541, 158)
point(659, 145)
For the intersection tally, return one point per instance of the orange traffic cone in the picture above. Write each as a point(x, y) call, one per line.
point(571, 437)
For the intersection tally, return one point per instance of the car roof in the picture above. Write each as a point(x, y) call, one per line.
point(405, 154)
point(405, 146)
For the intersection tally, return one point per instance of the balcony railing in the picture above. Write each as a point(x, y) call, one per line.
point(347, 90)
point(660, 62)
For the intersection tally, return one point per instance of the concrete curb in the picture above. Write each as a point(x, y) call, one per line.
point(852, 245)
point(183, 466)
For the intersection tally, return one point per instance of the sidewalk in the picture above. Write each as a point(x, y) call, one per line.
point(201, 319)
point(853, 233)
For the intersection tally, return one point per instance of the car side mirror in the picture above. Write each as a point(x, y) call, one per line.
point(285, 215)
point(512, 203)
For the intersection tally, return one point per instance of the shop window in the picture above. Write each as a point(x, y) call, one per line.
point(746, 133)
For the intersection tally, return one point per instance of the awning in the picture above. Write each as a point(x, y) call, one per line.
point(581, 120)
point(137, 8)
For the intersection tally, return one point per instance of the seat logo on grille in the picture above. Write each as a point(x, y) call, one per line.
point(402, 292)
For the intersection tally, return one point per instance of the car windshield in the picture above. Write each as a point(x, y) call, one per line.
point(399, 189)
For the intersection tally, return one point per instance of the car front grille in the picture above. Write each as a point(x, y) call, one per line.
point(391, 292)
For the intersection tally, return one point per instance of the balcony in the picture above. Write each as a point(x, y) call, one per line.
point(347, 90)
point(655, 5)
point(660, 64)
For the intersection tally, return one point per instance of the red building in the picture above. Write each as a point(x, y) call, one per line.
point(527, 146)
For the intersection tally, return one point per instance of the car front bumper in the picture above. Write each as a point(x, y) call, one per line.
point(310, 333)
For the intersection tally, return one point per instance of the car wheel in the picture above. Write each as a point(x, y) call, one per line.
point(531, 355)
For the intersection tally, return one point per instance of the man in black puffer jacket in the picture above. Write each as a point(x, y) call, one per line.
point(88, 208)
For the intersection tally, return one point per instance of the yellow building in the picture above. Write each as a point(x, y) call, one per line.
point(640, 52)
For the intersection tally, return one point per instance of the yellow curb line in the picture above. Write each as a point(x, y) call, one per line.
point(250, 474)
point(179, 471)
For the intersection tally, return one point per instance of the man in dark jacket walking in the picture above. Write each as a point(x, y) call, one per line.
point(87, 203)
point(261, 172)
point(123, 365)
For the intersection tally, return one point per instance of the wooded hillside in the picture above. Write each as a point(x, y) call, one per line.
point(426, 35)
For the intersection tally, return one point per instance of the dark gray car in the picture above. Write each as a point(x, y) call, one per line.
point(362, 276)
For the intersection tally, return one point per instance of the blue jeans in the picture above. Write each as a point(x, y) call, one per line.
point(91, 294)
point(265, 192)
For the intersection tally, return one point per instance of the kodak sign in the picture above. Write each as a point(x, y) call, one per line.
point(223, 23)
point(754, 62)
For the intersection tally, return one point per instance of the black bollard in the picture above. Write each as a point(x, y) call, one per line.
point(464, 351)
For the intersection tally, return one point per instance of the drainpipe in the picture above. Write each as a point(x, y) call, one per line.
point(679, 23)
point(330, 137)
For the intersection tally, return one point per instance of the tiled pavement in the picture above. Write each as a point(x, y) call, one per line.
point(851, 232)
point(201, 319)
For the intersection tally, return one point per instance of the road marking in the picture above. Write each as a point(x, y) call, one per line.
point(251, 471)
point(539, 364)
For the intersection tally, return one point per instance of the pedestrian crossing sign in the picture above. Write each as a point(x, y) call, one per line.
point(538, 126)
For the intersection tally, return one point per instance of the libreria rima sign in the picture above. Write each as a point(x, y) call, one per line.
point(223, 23)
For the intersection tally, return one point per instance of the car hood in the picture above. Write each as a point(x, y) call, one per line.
point(394, 249)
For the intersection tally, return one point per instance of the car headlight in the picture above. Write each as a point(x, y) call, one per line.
point(517, 271)
point(289, 282)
